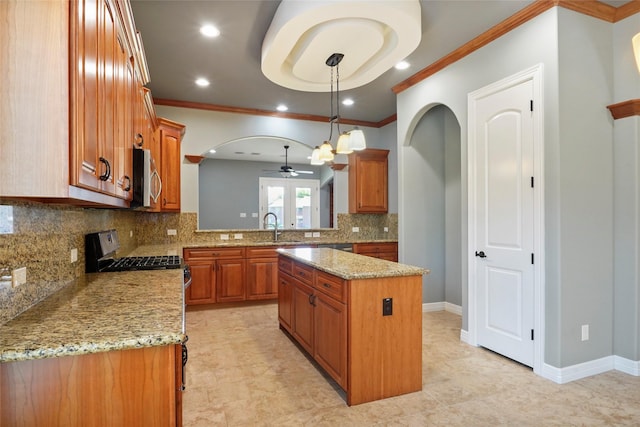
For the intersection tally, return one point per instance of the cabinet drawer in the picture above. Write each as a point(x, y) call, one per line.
point(262, 252)
point(285, 264)
point(302, 272)
point(214, 253)
point(331, 285)
point(369, 248)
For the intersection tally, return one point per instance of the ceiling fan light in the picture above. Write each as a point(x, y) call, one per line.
point(315, 157)
point(326, 152)
point(344, 144)
point(357, 142)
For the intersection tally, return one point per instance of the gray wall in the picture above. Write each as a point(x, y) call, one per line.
point(230, 187)
point(626, 303)
point(578, 182)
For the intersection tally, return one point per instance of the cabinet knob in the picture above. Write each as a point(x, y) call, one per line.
point(326, 285)
point(139, 140)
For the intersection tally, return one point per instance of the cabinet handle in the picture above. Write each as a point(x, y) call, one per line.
point(312, 300)
point(128, 187)
point(301, 273)
point(164, 201)
point(326, 285)
point(139, 140)
point(107, 173)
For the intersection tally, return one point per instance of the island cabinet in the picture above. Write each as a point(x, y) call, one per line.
point(383, 250)
point(370, 350)
point(133, 387)
point(368, 181)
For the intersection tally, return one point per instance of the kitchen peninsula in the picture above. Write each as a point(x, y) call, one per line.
point(358, 317)
point(109, 348)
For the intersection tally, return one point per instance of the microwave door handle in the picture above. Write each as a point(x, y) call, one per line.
point(155, 175)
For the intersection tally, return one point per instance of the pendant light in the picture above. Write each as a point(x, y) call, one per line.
point(347, 141)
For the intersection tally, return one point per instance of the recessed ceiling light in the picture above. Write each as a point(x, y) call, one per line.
point(282, 107)
point(209, 31)
point(347, 101)
point(402, 65)
point(201, 81)
point(212, 151)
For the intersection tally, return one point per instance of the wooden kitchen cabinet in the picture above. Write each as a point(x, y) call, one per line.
point(217, 275)
point(342, 325)
point(169, 136)
point(69, 107)
point(384, 250)
point(202, 288)
point(315, 314)
point(262, 273)
point(230, 280)
point(368, 181)
point(119, 388)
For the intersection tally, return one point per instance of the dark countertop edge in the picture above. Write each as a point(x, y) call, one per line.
point(406, 270)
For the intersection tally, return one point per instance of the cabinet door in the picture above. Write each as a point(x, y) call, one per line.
point(302, 325)
point(285, 302)
point(368, 181)
point(170, 168)
point(330, 337)
point(230, 280)
point(262, 278)
point(202, 289)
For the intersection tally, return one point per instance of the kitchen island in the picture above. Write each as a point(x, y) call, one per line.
point(359, 318)
point(106, 349)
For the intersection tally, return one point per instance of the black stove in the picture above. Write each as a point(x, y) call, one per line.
point(142, 263)
point(100, 248)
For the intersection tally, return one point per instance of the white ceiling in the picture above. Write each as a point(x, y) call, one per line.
point(177, 54)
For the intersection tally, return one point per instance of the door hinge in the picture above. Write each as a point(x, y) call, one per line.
point(531, 182)
point(532, 335)
point(531, 105)
point(531, 258)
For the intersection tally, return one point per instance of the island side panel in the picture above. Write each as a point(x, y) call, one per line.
point(385, 352)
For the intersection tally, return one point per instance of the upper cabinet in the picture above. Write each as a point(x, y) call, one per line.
point(74, 103)
point(368, 176)
point(169, 137)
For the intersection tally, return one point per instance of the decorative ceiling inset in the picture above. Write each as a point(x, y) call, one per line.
point(373, 37)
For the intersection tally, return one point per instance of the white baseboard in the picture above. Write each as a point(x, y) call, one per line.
point(442, 306)
point(587, 369)
point(631, 367)
point(464, 336)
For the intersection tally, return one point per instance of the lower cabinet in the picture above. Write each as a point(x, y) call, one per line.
point(119, 388)
point(235, 274)
point(330, 337)
point(285, 302)
point(385, 250)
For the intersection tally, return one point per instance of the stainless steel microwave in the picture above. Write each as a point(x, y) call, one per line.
point(147, 185)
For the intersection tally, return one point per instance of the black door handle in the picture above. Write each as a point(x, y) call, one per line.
point(481, 254)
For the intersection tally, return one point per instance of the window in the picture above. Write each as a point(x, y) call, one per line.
point(294, 201)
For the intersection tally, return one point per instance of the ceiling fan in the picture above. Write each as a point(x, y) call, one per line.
point(285, 170)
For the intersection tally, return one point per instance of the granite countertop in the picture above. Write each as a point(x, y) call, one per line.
point(351, 266)
point(176, 248)
point(100, 312)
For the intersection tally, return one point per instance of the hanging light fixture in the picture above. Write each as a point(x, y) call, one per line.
point(347, 141)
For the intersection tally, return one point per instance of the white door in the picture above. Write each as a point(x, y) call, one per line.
point(504, 221)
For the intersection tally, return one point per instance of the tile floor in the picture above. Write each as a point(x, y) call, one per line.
point(243, 371)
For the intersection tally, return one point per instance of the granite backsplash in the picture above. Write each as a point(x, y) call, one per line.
point(41, 237)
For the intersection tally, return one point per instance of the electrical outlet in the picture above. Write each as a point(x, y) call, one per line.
point(224, 237)
point(355, 229)
point(387, 306)
point(386, 229)
point(585, 332)
point(254, 215)
point(74, 255)
point(243, 214)
point(308, 234)
point(315, 234)
point(19, 276)
point(130, 233)
point(171, 232)
point(237, 236)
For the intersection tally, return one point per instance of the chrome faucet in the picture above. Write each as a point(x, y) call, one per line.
point(275, 226)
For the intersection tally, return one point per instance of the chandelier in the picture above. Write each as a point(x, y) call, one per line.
point(347, 141)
